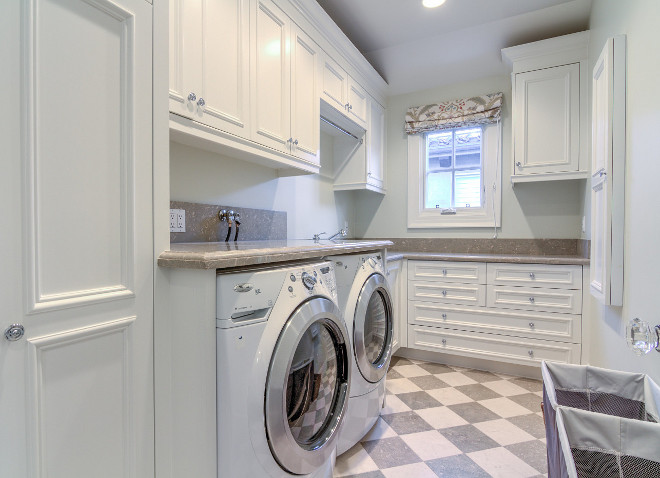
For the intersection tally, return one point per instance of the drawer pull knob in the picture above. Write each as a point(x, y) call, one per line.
point(444, 272)
point(531, 325)
point(444, 316)
point(444, 293)
point(532, 276)
point(444, 341)
point(530, 353)
point(531, 300)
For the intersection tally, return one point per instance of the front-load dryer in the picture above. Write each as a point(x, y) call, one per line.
point(283, 371)
point(366, 301)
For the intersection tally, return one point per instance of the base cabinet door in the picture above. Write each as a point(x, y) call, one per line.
point(76, 380)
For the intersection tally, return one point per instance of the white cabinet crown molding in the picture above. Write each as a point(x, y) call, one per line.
point(550, 52)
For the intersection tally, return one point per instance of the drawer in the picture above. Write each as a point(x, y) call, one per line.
point(535, 299)
point(492, 347)
point(461, 294)
point(545, 326)
point(441, 271)
point(535, 275)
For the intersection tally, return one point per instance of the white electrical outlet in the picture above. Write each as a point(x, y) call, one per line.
point(177, 220)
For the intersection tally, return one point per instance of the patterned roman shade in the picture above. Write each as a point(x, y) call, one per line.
point(484, 109)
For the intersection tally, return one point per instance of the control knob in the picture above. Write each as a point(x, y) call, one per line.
point(308, 280)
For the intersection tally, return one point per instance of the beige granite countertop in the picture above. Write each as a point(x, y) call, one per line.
point(510, 258)
point(224, 255)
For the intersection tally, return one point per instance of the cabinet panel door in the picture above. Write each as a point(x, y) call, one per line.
point(358, 107)
point(305, 96)
point(225, 66)
point(547, 117)
point(271, 82)
point(376, 145)
point(77, 268)
point(186, 56)
point(335, 85)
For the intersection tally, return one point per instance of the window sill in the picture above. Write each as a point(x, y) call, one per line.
point(432, 220)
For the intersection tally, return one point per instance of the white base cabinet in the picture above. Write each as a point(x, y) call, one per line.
point(515, 313)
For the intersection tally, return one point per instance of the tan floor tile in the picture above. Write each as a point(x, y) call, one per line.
point(505, 388)
point(504, 407)
point(455, 379)
point(410, 370)
point(449, 396)
point(354, 461)
point(401, 385)
point(416, 470)
point(393, 404)
point(380, 430)
point(441, 417)
point(503, 432)
point(430, 445)
point(501, 463)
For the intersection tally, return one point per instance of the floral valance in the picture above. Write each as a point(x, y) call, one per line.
point(484, 109)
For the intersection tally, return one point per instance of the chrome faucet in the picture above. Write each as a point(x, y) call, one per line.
point(341, 232)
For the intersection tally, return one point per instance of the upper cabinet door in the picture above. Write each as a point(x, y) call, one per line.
point(305, 96)
point(376, 145)
point(547, 120)
point(335, 85)
point(223, 99)
point(186, 56)
point(271, 83)
point(358, 107)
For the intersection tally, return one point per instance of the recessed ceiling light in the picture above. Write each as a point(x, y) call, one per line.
point(432, 3)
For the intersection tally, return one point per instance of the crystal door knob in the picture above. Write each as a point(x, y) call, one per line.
point(532, 325)
point(14, 332)
point(532, 276)
point(444, 292)
point(192, 96)
point(444, 341)
point(444, 316)
point(201, 102)
point(531, 300)
point(641, 337)
point(530, 353)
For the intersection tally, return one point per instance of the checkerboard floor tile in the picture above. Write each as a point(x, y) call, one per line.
point(444, 421)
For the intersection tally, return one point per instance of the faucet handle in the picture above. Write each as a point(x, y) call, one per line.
point(317, 237)
point(237, 219)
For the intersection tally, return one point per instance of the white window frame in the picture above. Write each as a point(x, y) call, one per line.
point(489, 215)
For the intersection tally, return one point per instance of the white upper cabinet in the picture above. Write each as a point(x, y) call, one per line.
point(344, 94)
point(376, 146)
point(271, 82)
point(209, 63)
point(550, 108)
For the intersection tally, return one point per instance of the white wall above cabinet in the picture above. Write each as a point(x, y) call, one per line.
point(550, 108)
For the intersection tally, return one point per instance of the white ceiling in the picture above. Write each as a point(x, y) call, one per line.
point(415, 48)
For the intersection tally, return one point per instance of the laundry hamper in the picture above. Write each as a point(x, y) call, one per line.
point(600, 423)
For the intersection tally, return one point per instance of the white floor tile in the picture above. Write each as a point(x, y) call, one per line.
point(501, 463)
point(393, 404)
point(416, 470)
point(441, 417)
point(449, 396)
point(410, 370)
point(430, 445)
point(352, 462)
point(504, 432)
point(504, 407)
point(456, 379)
point(380, 430)
point(505, 388)
point(401, 385)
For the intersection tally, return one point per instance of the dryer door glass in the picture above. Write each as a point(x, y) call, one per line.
point(307, 387)
point(372, 328)
point(375, 327)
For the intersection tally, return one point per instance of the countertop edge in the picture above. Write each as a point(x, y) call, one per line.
point(503, 258)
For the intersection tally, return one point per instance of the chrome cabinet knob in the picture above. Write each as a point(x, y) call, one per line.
point(296, 142)
point(444, 293)
point(192, 96)
point(530, 353)
point(444, 341)
point(444, 272)
point(532, 325)
point(444, 316)
point(14, 332)
point(201, 102)
point(519, 164)
point(350, 107)
point(532, 276)
point(531, 300)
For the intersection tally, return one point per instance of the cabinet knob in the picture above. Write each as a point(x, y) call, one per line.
point(14, 332)
point(346, 106)
point(350, 107)
point(201, 102)
point(444, 293)
point(532, 276)
point(444, 316)
point(531, 325)
point(444, 341)
point(369, 174)
point(192, 96)
point(519, 164)
point(530, 353)
point(296, 142)
point(531, 300)
point(444, 272)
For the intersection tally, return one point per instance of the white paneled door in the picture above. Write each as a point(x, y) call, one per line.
point(76, 247)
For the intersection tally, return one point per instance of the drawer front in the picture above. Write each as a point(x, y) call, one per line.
point(493, 347)
point(441, 271)
point(535, 299)
point(535, 275)
point(545, 326)
point(461, 294)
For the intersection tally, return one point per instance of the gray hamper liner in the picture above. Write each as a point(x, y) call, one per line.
point(600, 423)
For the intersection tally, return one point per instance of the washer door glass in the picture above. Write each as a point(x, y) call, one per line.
point(307, 387)
point(372, 333)
point(311, 384)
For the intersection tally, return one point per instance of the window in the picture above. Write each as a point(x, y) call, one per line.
point(453, 178)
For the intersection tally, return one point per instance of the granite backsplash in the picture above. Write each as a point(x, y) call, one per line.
point(204, 225)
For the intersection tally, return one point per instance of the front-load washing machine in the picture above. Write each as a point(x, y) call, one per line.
point(283, 371)
point(366, 301)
